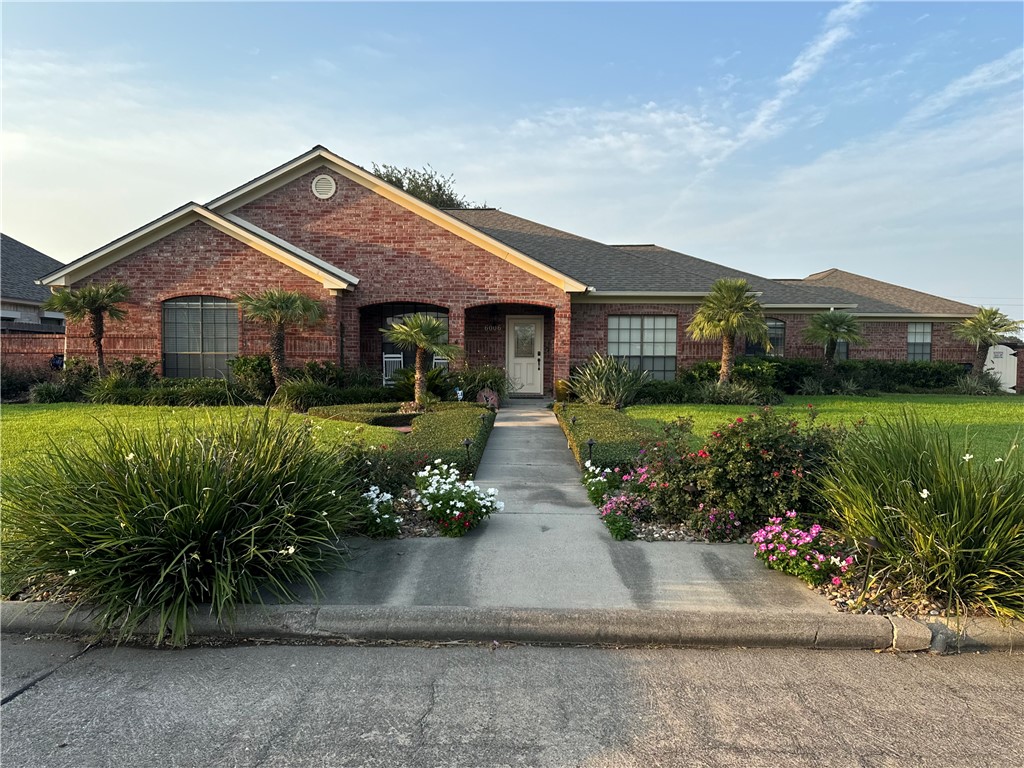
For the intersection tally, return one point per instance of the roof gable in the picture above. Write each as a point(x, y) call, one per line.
point(328, 275)
point(879, 297)
point(320, 156)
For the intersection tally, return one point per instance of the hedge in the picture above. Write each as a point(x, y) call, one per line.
point(618, 438)
point(437, 435)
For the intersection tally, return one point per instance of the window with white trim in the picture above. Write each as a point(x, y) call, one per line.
point(645, 342)
point(200, 335)
point(919, 341)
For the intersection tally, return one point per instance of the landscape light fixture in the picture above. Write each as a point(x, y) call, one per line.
point(465, 444)
point(573, 421)
point(590, 445)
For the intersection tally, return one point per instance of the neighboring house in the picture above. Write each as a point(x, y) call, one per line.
point(20, 294)
point(517, 294)
point(29, 337)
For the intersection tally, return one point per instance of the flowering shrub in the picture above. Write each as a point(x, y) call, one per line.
point(457, 507)
point(715, 524)
point(757, 466)
point(810, 555)
point(599, 482)
point(620, 511)
point(381, 520)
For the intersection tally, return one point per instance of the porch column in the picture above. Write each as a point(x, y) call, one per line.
point(457, 331)
point(563, 342)
point(348, 333)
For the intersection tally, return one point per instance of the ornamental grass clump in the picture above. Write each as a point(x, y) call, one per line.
point(456, 506)
point(812, 554)
point(154, 526)
point(948, 525)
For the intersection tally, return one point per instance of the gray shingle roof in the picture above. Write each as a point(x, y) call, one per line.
point(627, 268)
point(20, 267)
point(878, 297)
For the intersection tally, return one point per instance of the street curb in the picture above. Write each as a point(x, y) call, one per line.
point(623, 627)
point(976, 633)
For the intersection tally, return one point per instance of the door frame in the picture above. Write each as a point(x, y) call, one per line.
point(509, 347)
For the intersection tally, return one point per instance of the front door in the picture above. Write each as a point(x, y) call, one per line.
point(525, 354)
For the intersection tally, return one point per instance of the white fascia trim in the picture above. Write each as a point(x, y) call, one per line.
point(918, 318)
point(294, 249)
point(815, 307)
point(293, 170)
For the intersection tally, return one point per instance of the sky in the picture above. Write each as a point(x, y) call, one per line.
point(783, 139)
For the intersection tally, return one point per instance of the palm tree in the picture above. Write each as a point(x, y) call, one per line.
point(984, 330)
point(278, 309)
point(729, 310)
point(829, 328)
point(95, 302)
point(425, 334)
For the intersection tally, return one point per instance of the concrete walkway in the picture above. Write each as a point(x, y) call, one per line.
point(549, 550)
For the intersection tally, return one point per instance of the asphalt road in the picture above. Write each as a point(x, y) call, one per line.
point(475, 706)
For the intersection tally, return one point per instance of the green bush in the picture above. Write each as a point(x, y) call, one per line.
point(252, 377)
point(70, 386)
point(377, 414)
point(987, 385)
point(756, 467)
point(49, 392)
point(456, 506)
point(733, 393)
point(618, 439)
point(439, 384)
point(17, 380)
point(474, 379)
point(947, 525)
point(607, 381)
point(657, 392)
point(303, 394)
point(152, 525)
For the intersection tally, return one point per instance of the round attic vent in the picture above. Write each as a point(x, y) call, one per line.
point(324, 186)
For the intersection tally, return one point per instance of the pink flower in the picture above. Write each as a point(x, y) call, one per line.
point(836, 581)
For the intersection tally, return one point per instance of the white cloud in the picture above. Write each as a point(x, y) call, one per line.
point(986, 77)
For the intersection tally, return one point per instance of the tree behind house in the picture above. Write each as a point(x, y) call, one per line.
point(428, 185)
point(280, 309)
point(94, 303)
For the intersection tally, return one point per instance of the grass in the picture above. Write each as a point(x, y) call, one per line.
point(28, 431)
point(993, 423)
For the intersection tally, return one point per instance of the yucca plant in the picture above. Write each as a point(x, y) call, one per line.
point(607, 381)
point(948, 524)
point(154, 526)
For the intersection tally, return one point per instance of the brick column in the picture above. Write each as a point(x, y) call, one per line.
point(348, 333)
point(457, 332)
point(563, 336)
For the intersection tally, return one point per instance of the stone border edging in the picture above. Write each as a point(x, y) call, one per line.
point(700, 629)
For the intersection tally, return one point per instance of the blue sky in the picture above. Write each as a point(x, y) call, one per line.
point(780, 138)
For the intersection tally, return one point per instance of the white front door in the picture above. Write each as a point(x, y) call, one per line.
point(525, 354)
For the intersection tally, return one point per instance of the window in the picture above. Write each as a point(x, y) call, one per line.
point(919, 341)
point(842, 350)
point(398, 312)
point(200, 335)
point(777, 337)
point(646, 343)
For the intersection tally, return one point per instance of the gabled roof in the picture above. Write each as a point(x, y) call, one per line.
point(621, 270)
point(320, 156)
point(875, 297)
point(330, 276)
point(20, 267)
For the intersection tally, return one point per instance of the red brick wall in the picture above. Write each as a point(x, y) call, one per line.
point(200, 260)
point(398, 256)
point(30, 350)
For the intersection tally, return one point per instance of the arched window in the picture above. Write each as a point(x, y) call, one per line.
point(200, 335)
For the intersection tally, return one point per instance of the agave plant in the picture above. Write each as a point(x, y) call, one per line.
point(607, 381)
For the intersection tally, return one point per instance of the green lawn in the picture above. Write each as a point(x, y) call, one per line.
point(27, 431)
point(993, 423)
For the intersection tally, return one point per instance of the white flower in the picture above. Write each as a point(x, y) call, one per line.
point(968, 456)
point(130, 457)
point(998, 460)
point(289, 550)
point(924, 493)
point(72, 572)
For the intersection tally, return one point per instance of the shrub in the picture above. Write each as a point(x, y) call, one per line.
point(715, 524)
point(71, 384)
point(438, 384)
point(600, 481)
point(947, 525)
point(457, 507)
point(303, 394)
point(811, 555)
point(657, 392)
point(620, 512)
point(986, 384)
point(253, 377)
point(49, 392)
point(138, 372)
point(150, 525)
point(617, 437)
point(756, 467)
point(607, 381)
point(17, 380)
point(729, 393)
point(474, 379)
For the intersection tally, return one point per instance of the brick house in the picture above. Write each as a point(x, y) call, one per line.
point(29, 335)
point(514, 293)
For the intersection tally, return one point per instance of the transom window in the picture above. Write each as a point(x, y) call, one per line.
point(919, 341)
point(200, 335)
point(645, 342)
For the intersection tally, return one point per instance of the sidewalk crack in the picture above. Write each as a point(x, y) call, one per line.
point(35, 681)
